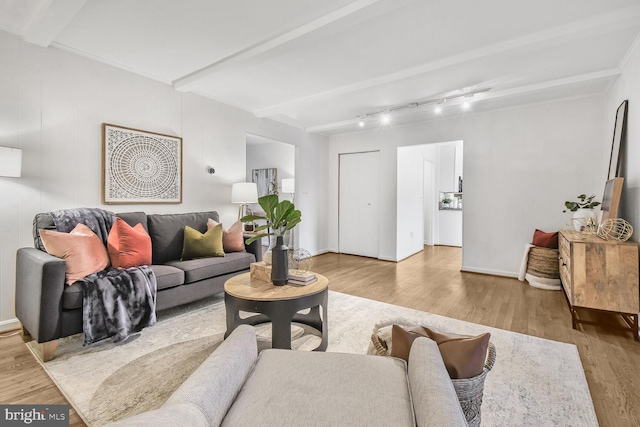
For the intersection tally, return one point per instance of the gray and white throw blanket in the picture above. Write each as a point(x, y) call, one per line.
point(115, 302)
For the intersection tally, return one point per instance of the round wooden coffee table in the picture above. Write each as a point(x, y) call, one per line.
point(277, 304)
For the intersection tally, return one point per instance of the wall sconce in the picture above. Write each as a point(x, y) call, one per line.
point(10, 162)
point(210, 170)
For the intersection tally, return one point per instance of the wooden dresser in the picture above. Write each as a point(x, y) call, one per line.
point(602, 275)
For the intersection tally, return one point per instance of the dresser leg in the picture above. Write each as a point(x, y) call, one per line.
point(636, 335)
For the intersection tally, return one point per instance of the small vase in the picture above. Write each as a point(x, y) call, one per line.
point(581, 218)
point(280, 263)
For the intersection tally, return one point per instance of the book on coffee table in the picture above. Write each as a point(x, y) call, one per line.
point(302, 282)
point(301, 277)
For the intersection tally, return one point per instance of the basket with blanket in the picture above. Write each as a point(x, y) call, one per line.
point(468, 359)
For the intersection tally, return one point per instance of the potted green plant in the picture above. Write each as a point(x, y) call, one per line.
point(583, 213)
point(279, 218)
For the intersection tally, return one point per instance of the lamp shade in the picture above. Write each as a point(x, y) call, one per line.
point(244, 192)
point(289, 185)
point(10, 162)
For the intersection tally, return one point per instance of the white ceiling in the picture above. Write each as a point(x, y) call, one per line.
point(320, 65)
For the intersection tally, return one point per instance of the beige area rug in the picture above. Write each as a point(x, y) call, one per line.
point(535, 382)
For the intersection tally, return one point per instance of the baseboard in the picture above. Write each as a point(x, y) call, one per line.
point(489, 272)
point(411, 254)
point(384, 258)
point(9, 325)
point(320, 252)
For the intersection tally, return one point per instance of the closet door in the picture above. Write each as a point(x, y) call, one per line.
point(358, 203)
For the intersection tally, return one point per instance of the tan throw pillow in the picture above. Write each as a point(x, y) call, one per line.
point(464, 356)
point(82, 250)
point(233, 238)
point(198, 245)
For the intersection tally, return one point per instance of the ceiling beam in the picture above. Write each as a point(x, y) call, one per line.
point(505, 93)
point(187, 82)
point(612, 20)
point(50, 19)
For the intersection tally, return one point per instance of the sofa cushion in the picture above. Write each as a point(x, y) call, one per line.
point(204, 268)
point(167, 276)
point(72, 296)
point(167, 233)
point(296, 388)
point(133, 218)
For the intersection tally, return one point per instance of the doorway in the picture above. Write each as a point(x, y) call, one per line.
point(358, 208)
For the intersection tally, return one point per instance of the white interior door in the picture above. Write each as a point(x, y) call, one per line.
point(429, 192)
point(358, 203)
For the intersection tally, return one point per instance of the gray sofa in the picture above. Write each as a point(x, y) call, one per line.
point(237, 387)
point(49, 309)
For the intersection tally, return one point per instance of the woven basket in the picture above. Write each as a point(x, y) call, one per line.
point(469, 390)
point(543, 262)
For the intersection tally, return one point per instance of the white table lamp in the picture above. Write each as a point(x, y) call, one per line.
point(244, 193)
point(10, 162)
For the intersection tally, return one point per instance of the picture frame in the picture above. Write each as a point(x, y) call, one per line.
point(266, 180)
point(140, 167)
point(618, 135)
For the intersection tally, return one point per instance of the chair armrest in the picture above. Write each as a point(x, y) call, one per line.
point(435, 401)
point(255, 247)
point(40, 282)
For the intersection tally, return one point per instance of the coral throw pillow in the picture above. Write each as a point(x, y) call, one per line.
point(128, 246)
point(545, 240)
point(198, 245)
point(463, 356)
point(233, 238)
point(82, 250)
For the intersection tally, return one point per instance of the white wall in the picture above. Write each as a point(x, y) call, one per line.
point(52, 104)
point(627, 86)
point(520, 165)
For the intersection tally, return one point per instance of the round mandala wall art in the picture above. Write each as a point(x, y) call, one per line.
point(140, 166)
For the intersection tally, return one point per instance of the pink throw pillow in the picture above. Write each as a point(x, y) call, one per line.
point(232, 239)
point(82, 250)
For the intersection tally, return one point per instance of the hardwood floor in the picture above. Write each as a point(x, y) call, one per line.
point(429, 281)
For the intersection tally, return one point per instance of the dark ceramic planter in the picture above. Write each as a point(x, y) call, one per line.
point(280, 263)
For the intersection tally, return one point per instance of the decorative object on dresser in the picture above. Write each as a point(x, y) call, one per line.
point(584, 217)
point(140, 166)
point(615, 229)
point(619, 134)
point(279, 218)
point(600, 275)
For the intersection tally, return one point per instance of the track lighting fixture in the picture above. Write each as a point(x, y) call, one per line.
point(385, 115)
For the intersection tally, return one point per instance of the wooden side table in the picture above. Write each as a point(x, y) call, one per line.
point(600, 275)
point(279, 305)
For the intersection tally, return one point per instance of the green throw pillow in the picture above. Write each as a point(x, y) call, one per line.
point(198, 245)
